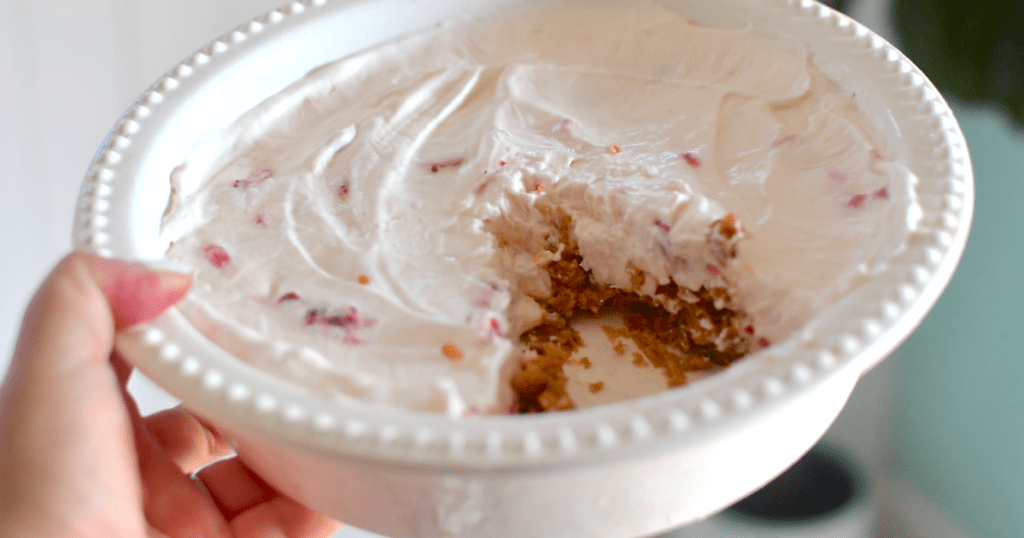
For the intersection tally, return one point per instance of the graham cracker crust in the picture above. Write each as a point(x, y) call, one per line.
point(705, 332)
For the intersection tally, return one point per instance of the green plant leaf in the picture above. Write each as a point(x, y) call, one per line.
point(973, 49)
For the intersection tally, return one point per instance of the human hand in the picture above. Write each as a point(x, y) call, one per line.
point(77, 459)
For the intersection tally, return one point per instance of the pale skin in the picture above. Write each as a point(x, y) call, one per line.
point(76, 458)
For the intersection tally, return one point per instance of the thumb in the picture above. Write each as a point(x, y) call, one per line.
point(71, 321)
point(65, 436)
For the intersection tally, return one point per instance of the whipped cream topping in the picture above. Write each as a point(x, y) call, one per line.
point(343, 233)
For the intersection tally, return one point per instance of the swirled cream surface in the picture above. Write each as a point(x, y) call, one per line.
point(343, 232)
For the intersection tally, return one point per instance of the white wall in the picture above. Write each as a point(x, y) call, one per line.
point(68, 69)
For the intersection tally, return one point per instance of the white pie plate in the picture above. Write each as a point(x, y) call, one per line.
point(622, 470)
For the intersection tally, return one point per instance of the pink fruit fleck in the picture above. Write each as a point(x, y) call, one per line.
point(290, 296)
point(856, 202)
point(261, 220)
point(713, 269)
point(217, 256)
point(566, 126)
point(343, 190)
point(344, 320)
point(503, 163)
point(664, 227)
point(353, 341)
point(882, 194)
point(314, 316)
point(837, 175)
point(339, 321)
point(763, 342)
point(256, 177)
point(749, 329)
point(691, 159)
point(435, 167)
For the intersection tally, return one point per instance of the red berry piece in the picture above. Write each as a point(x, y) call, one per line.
point(664, 227)
point(217, 256)
point(338, 321)
point(691, 159)
point(713, 269)
point(290, 296)
point(483, 186)
point(763, 342)
point(882, 194)
point(566, 126)
point(856, 202)
point(314, 316)
point(347, 319)
point(749, 329)
point(256, 177)
point(837, 175)
point(436, 167)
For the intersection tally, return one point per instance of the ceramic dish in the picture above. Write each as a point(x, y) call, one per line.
point(621, 470)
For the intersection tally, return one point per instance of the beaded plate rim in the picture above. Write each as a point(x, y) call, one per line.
point(847, 343)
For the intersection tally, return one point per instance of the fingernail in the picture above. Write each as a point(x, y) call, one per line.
point(163, 264)
point(138, 291)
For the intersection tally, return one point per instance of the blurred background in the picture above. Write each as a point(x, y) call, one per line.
point(932, 441)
